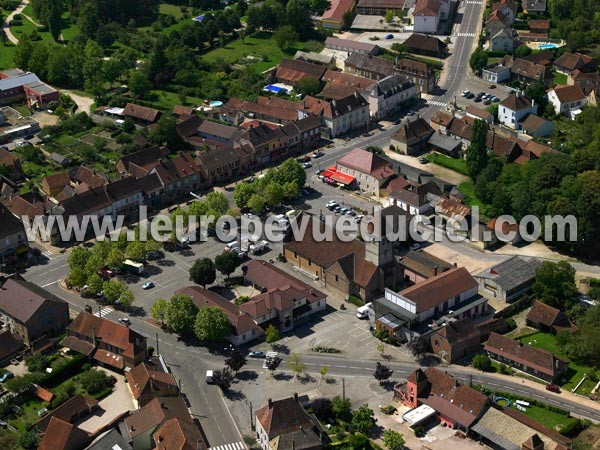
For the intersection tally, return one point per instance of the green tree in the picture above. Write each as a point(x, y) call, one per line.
point(88, 22)
point(380, 348)
point(93, 381)
point(212, 324)
point(78, 276)
point(382, 373)
point(112, 290)
point(139, 84)
point(389, 15)
point(482, 362)
point(37, 362)
point(342, 409)
point(23, 383)
point(363, 419)
point(223, 378)
point(271, 334)
point(159, 310)
point(95, 283)
point(115, 258)
point(295, 364)
point(54, 20)
point(477, 156)
point(323, 371)
point(285, 37)
point(135, 250)
point(399, 48)
point(555, 284)
point(393, 440)
point(347, 19)
point(308, 86)
point(181, 314)
point(522, 51)
point(203, 272)
point(298, 16)
point(273, 194)
point(126, 298)
point(227, 262)
point(29, 440)
point(79, 257)
point(236, 360)
point(93, 70)
point(166, 133)
point(290, 190)
point(256, 203)
point(217, 201)
point(478, 60)
point(242, 194)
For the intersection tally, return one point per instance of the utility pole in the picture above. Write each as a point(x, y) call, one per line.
point(251, 421)
point(157, 349)
point(343, 389)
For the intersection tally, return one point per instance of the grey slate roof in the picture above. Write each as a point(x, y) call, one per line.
point(111, 440)
point(512, 273)
point(390, 85)
point(444, 142)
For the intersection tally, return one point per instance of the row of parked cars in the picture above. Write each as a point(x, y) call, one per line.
point(334, 206)
point(480, 97)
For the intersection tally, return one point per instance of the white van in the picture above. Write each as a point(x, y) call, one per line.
point(210, 377)
point(363, 311)
point(232, 246)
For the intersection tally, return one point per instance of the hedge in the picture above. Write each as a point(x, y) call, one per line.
point(518, 306)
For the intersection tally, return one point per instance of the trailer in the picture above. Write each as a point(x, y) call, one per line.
point(132, 267)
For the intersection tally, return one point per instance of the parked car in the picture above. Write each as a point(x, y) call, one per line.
point(88, 308)
point(148, 285)
point(389, 36)
point(487, 102)
point(410, 112)
point(415, 246)
point(350, 213)
point(423, 160)
point(465, 92)
point(125, 321)
point(337, 208)
point(553, 388)
point(6, 376)
point(307, 165)
point(256, 354)
point(495, 99)
point(492, 86)
point(470, 95)
point(14, 362)
point(317, 154)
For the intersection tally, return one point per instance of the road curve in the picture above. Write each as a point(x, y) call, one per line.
point(6, 25)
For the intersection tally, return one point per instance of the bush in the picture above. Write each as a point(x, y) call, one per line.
point(321, 349)
point(93, 381)
point(357, 301)
point(388, 410)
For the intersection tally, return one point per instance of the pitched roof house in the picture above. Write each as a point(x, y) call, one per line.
point(421, 265)
point(10, 160)
point(77, 407)
point(370, 169)
point(456, 340)
point(413, 136)
point(548, 319)
point(508, 8)
point(513, 108)
point(110, 343)
point(285, 425)
point(571, 61)
point(30, 312)
point(567, 99)
point(149, 380)
point(455, 404)
point(536, 126)
point(534, 6)
point(61, 435)
point(291, 71)
point(537, 362)
point(426, 45)
point(141, 114)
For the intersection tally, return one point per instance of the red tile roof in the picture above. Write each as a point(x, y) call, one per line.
point(568, 94)
point(366, 162)
point(427, 8)
point(61, 435)
point(543, 24)
point(440, 288)
point(336, 10)
point(284, 416)
point(141, 112)
point(294, 70)
point(177, 434)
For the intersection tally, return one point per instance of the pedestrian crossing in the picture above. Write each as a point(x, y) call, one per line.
point(48, 254)
point(103, 312)
point(465, 34)
point(473, 2)
point(436, 103)
point(234, 446)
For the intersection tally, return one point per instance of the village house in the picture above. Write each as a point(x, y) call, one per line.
point(440, 121)
point(291, 71)
point(220, 165)
point(539, 28)
point(420, 73)
point(536, 362)
point(76, 408)
point(61, 435)
point(12, 164)
point(284, 424)
point(527, 71)
point(348, 46)
point(54, 184)
point(416, 198)
point(567, 62)
point(412, 138)
point(452, 293)
point(369, 169)
point(426, 45)
point(435, 393)
point(448, 145)
point(18, 86)
point(428, 14)
point(151, 379)
point(284, 299)
point(368, 66)
point(502, 41)
point(534, 6)
point(536, 126)
point(342, 111)
point(31, 313)
point(420, 265)
point(508, 8)
point(379, 7)
point(389, 95)
point(513, 108)
point(333, 17)
point(456, 340)
point(109, 343)
point(496, 73)
point(163, 423)
point(508, 280)
point(478, 113)
point(110, 440)
point(141, 114)
point(548, 319)
point(13, 240)
point(496, 22)
point(567, 100)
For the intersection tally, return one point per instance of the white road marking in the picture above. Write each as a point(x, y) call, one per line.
point(49, 284)
point(233, 446)
point(103, 312)
point(437, 103)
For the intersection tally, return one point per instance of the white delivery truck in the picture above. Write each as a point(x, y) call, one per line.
point(364, 311)
point(210, 377)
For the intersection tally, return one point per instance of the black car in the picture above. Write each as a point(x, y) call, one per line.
point(470, 95)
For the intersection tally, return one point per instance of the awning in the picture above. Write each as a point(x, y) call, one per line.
point(78, 345)
point(340, 177)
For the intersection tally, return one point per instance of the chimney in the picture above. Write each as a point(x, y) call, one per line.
point(296, 397)
point(518, 94)
point(455, 265)
point(94, 336)
point(532, 103)
point(435, 270)
point(160, 438)
point(270, 403)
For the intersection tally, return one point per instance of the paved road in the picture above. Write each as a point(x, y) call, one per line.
point(11, 37)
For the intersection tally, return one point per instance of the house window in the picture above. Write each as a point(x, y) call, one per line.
point(309, 263)
point(336, 278)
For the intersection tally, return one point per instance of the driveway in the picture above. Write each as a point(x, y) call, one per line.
point(439, 171)
point(84, 103)
point(11, 37)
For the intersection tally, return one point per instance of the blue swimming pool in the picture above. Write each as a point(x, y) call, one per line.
point(216, 103)
point(546, 46)
point(275, 89)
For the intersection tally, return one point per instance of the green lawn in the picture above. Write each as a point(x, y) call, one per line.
point(165, 100)
point(173, 10)
point(457, 164)
point(559, 78)
point(259, 46)
point(576, 371)
point(6, 56)
point(552, 420)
